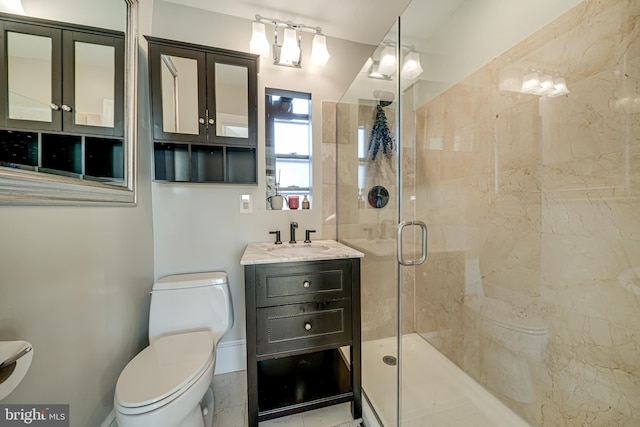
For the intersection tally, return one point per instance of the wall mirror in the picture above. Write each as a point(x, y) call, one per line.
point(33, 60)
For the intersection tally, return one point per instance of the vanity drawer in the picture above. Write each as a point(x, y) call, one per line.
point(303, 326)
point(290, 283)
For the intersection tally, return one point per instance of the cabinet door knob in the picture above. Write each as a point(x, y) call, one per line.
point(66, 108)
point(307, 326)
point(211, 121)
point(201, 120)
point(54, 107)
point(307, 284)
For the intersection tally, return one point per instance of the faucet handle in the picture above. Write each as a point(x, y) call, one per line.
point(307, 235)
point(277, 233)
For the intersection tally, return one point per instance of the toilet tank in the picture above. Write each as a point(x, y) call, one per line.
point(191, 302)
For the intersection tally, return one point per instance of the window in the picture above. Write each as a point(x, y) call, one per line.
point(288, 142)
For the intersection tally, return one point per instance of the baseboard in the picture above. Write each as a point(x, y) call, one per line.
point(231, 356)
point(110, 421)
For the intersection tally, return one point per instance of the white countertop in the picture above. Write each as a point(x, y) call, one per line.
point(270, 253)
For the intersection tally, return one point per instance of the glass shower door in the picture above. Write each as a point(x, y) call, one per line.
point(367, 206)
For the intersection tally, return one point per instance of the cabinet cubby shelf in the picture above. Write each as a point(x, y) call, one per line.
point(302, 382)
point(78, 156)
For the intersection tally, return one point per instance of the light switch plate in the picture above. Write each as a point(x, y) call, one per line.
point(246, 204)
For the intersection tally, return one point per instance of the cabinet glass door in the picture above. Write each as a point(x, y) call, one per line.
point(179, 95)
point(95, 78)
point(93, 90)
point(179, 77)
point(232, 100)
point(31, 85)
point(232, 103)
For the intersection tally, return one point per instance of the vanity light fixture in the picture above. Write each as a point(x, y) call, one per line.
point(385, 67)
point(12, 6)
point(289, 53)
point(545, 85)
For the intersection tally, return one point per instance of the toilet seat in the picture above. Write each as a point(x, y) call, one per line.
point(161, 372)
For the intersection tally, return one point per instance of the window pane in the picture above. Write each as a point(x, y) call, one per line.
point(300, 106)
point(291, 137)
point(292, 172)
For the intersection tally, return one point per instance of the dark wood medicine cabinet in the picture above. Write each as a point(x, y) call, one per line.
point(62, 109)
point(204, 107)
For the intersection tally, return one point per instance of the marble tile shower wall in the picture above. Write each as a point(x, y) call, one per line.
point(533, 207)
point(357, 220)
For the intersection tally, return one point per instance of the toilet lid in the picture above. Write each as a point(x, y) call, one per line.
point(164, 368)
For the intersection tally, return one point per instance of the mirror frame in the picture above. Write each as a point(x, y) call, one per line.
point(33, 188)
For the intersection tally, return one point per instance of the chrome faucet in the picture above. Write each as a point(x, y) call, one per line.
point(293, 227)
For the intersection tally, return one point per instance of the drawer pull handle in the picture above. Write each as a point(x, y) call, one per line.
point(307, 326)
point(307, 284)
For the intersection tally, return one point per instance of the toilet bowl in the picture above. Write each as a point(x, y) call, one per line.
point(511, 348)
point(168, 384)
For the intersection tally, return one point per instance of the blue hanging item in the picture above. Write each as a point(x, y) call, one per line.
point(380, 134)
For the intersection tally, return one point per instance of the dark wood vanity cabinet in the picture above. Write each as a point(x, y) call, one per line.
point(205, 113)
point(299, 315)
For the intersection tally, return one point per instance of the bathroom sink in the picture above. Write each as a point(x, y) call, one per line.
point(265, 253)
point(297, 249)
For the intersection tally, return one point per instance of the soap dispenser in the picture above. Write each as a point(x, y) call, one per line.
point(305, 202)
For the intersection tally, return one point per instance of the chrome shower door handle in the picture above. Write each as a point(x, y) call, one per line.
point(423, 255)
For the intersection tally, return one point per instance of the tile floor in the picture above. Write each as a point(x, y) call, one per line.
point(231, 407)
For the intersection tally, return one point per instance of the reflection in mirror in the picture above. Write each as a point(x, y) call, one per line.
point(180, 95)
point(378, 196)
point(33, 73)
point(95, 84)
point(232, 110)
point(29, 73)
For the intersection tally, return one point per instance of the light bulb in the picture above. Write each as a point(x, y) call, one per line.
point(259, 43)
point(290, 51)
point(387, 61)
point(560, 87)
point(411, 67)
point(319, 53)
point(531, 83)
point(546, 85)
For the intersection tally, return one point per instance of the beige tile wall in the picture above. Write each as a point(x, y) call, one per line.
point(533, 212)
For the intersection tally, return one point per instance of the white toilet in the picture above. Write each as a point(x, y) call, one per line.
point(511, 348)
point(168, 384)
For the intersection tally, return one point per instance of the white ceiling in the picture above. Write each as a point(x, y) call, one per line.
point(362, 21)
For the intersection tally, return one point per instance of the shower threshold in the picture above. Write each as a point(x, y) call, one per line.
point(436, 392)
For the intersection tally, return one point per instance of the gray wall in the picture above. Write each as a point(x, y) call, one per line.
point(75, 283)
